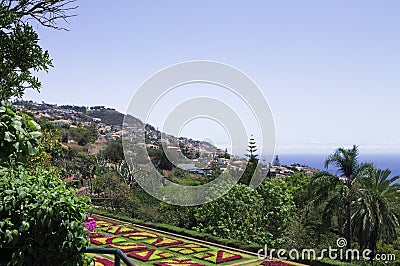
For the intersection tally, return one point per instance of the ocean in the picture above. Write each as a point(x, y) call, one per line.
point(317, 161)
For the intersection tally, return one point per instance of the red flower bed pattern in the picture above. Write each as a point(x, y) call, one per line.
point(141, 235)
point(219, 256)
point(103, 262)
point(106, 240)
point(152, 254)
point(127, 247)
point(121, 230)
point(138, 249)
point(101, 223)
point(95, 235)
point(189, 248)
point(164, 241)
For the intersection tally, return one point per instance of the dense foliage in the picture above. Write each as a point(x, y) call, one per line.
point(109, 117)
point(364, 201)
point(114, 151)
point(376, 209)
point(278, 206)
point(19, 135)
point(237, 215)
point(79, 134)
point(294, 211)
point(40, 219)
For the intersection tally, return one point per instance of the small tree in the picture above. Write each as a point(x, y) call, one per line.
point(251, 164)
point(278, 206)
point(114, 151)
point(252, 148)
point(276, 161)
point(236, 215)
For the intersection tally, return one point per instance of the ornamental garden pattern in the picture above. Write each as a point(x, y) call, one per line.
point(147, 247)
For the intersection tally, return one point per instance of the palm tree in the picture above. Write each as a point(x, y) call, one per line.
point(349, 168)
point(346, 161)
point(367, 197)
point(329, 189)
point(377, 208)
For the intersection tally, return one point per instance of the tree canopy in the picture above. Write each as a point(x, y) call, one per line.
point(20, 52)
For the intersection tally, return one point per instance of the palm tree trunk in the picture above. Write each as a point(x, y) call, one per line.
point(349, 234)
point(339, 221)
point(372, 248)
point(373, 241)
point(348, 226)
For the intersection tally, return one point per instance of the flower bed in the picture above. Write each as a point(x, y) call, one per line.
point(219, 256)
point(101, 223)
point(96, 235)
point(152, 254)
point(127, 247)
point(147, 247)
point(102, 262)
point(163, 241)
point(106, 240)
point(121, 230)
point(189, 248)
point(141, 235)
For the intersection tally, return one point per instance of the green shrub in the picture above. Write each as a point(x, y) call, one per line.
point(239, 214)
point(19, 135)
point(40, 219)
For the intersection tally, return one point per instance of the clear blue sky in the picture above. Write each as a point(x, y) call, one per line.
point(330, 69)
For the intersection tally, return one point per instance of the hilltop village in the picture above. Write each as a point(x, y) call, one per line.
point(94, 127)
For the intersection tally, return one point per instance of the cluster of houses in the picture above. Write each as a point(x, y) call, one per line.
point(281, 171)
point(107, 132)
point(210, 158)
point(275, 171)
point(71, 116)
point(61, 115)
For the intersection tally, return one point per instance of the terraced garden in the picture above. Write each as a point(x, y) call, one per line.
point(149, 247)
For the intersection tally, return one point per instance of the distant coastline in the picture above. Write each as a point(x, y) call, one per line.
point(382, 161)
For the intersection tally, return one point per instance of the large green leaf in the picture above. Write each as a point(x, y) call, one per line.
point(8, 136)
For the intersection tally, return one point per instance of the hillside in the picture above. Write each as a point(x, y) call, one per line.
point(108, 121)
point(108, 116)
